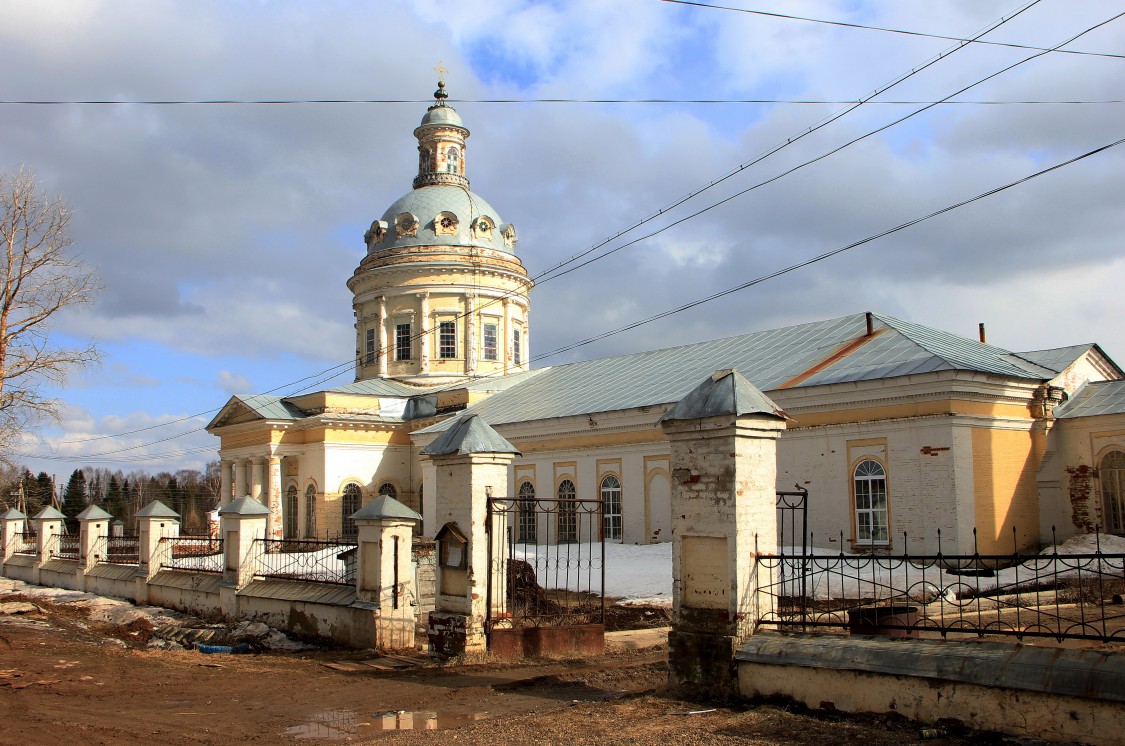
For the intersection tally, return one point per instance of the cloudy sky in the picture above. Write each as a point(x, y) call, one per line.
point(224, 233)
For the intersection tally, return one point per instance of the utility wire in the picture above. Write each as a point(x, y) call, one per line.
point(388, 101)
point(823, 123)
point(845, 24)
point(821, 157)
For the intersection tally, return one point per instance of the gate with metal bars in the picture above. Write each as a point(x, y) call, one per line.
point(546, 574)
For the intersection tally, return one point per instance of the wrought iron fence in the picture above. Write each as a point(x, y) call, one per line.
point(193, 553)
point(27, 543)
point(1073, 592)
point(118, 550)
point(305, 559)
point(546, 562)
point(66, 547)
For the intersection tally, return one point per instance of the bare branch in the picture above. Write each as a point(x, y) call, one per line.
point(38, 279)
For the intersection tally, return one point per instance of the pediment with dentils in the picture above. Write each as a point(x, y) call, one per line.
point(242, 409)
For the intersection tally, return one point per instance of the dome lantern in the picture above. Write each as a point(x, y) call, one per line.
point(441, 144)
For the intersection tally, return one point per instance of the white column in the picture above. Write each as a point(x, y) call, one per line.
point(471, 335)
point(258, 479)
point(507, 326)
point(275, 527)
point(225, 471)
point(384, 351)
point(240, 488)
point(423, 333)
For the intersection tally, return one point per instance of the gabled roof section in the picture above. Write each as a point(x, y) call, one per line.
point(156, 509)
point(255, 406)
point(1093, 399)
point(469, 434)
point(385, 506)
point(814, 354)
point(49, 513)
point(11, 514)
point(93, 513)
point(379, 387)
point(244, 505)
point(1057, 359)
point(724, 392)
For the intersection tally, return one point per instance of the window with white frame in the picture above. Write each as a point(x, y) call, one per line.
point(291, 512)
point(526, 522)
point(350, 504)
point(402, 341)
point(310, 512)
point(369, 355)
point(870, 483)
point(611, 507)
point(1111, 474)
point(447, 339)
point(568, 512)
point(517, 353)
point(489, 350)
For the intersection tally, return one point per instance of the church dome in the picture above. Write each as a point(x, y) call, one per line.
point(442, 215)
point(442, 115)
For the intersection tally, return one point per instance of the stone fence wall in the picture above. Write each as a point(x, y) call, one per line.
point(368, 593)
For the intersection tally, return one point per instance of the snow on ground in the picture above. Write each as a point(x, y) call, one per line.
point(642, 574)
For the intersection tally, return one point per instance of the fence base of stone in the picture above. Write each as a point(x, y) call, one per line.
point(1042, 692)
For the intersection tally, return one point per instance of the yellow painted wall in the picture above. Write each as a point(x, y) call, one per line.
point(1005, 467)
point(912, 409)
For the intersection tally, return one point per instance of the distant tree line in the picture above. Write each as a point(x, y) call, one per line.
point(190, 492)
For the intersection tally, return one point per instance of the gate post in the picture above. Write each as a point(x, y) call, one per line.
point(385, 570)
point(242, 522)
point(12, 524)
point(724, 464)
point(471, 460)
point(50, 525)
point(154, 521)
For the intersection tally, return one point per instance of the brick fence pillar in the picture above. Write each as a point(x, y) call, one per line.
point(385, 570)
point(723, 439)
point(471, 462)
point(155, 521)
point(12, 524)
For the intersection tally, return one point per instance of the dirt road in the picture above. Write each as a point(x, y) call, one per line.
point(65, 679)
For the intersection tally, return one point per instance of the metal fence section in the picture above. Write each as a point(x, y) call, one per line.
point(27, 543)
point(1075, 593)
point(193, 553)
point(546, 562)
point(118, 550)
point(66, 547)
point(304, 559)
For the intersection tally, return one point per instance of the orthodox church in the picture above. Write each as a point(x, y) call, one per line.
point(895, 429)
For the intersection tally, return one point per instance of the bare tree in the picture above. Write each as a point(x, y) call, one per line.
point(38, 279)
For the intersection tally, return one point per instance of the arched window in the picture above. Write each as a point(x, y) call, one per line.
point(568, 512)
point(291, 512)
point(526, 527)
point(870, 482)
point(349, 505)
point(611, 507)
point(388, 489)
point(452, 160)
point(1111, 474)
point(310, 512)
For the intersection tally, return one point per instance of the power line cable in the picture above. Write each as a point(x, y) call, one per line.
point(884, 29)
point(340, 367)
point(389, 101)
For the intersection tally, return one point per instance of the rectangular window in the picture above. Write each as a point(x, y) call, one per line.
point(402, 341)
point(369, 357)
point(490, 341)
point(516, 353)
point(447, 339)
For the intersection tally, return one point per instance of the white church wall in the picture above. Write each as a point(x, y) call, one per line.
point(1072, 500)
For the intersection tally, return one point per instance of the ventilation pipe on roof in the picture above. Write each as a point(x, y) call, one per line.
point(983, 339)
point(870, 324)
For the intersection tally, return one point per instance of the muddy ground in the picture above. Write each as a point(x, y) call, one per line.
point(66, 679)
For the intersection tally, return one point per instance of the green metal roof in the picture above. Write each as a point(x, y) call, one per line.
point(93, 513)
point(813, 354)
point(1093, 399)
point(49, 513)
point(245, 505)
point(11, 514)
point(1057, 359)
point(385, 506)
point(157, 509)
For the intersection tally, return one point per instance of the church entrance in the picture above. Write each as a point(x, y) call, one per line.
point(546, 574)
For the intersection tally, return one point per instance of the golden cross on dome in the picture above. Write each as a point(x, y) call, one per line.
point(441, 71)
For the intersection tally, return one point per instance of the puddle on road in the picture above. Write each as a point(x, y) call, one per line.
point(336, 725)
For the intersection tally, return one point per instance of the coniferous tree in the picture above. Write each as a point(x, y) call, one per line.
point(114, 498)
point(75, 499)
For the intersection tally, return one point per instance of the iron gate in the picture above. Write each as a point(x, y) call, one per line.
point(546, 562)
